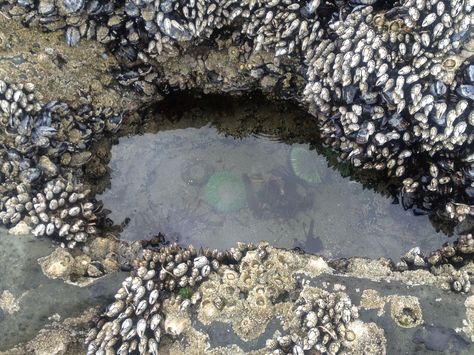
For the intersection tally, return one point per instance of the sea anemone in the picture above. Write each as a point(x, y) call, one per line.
point(225, 192)
point(307, 164)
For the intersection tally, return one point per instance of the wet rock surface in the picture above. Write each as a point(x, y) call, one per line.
point(58, 338)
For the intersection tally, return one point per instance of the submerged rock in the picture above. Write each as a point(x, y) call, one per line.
point(196, 172)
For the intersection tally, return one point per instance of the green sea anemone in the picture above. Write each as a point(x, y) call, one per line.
point(225, 192)
point(307, 164)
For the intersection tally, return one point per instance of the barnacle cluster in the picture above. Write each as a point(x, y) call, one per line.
point(43, 148)
point(245, 295)
point(392, 85)
point(320, 322)
point(246, 286)
point(135, 321)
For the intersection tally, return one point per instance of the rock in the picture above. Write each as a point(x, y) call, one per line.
point(58, 338)
point(59, 264)
point(100, 247)
point(81, 264)
point(8, 303)
point(110, 265)
point(440, 339)
point(469, 325)
point(21, 228)
point(51, 343)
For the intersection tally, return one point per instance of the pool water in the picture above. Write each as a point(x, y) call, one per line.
point(197, 182)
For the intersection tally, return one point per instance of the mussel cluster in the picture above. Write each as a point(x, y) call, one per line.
point(322, 325)
point(391, 83)
point(142, 29)
point(449, 259)
point(134, 321)
point(43, 148)
point(396, 94)
point(458, 253)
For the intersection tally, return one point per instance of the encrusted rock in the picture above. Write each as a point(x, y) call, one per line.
point(59, 264)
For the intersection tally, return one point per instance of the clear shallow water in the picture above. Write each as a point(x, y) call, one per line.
point(35, 298)
point(197, 186)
